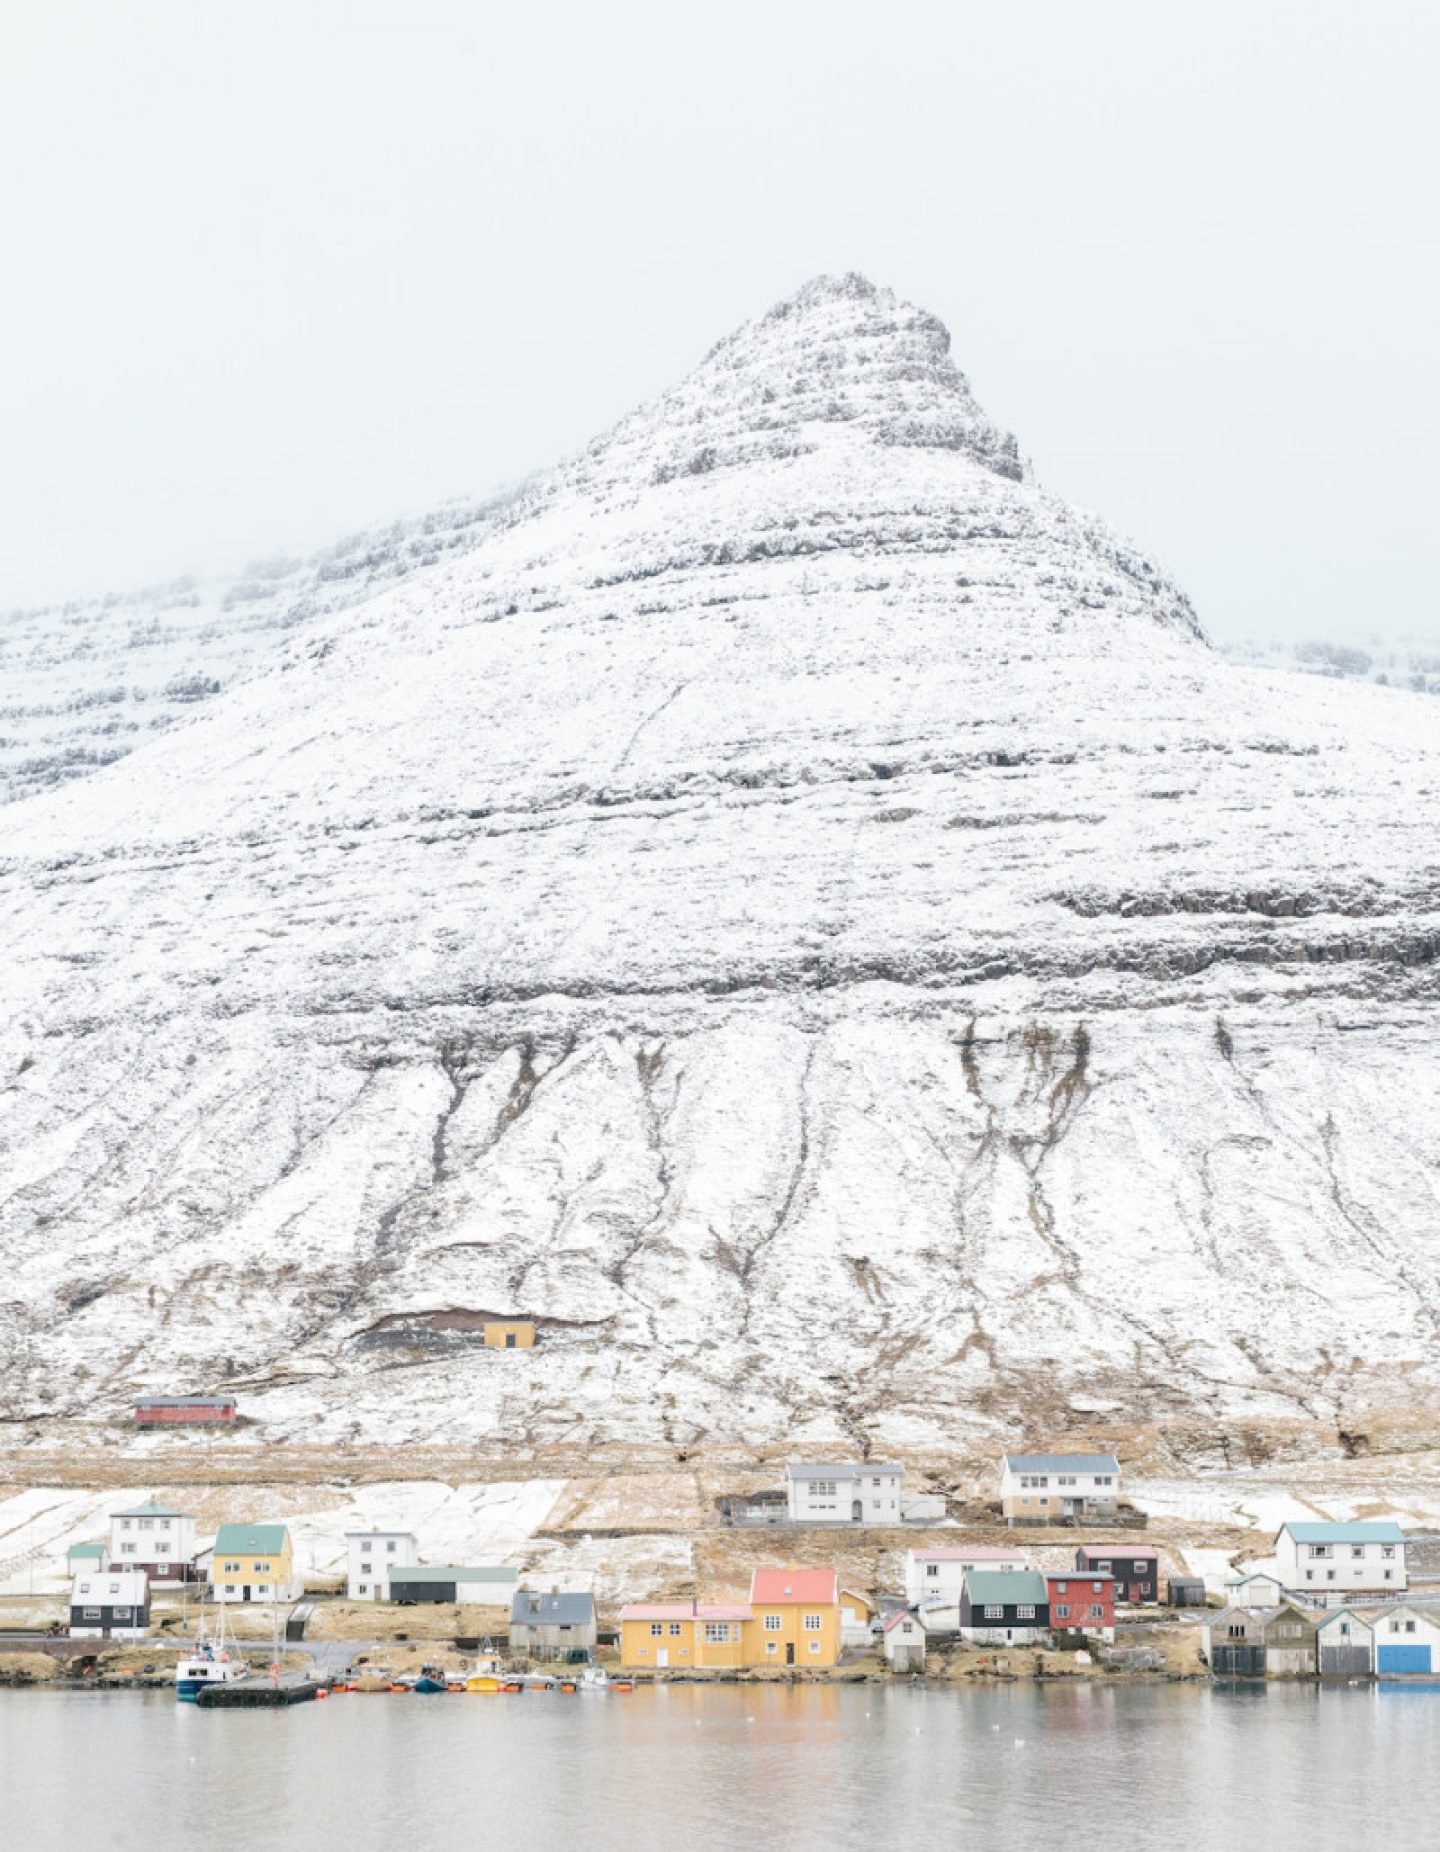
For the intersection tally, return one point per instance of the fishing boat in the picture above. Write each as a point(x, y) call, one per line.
point(211, 1663)
point(429, 1682)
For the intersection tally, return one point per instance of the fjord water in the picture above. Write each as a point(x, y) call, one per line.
point(1295, 1769)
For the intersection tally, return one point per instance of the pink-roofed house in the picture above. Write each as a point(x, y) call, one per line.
point(934, 1578)
point(905, 1640)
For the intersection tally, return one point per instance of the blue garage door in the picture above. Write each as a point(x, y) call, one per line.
point(1404, 1658)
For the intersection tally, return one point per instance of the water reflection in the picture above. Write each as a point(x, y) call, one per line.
point(1188, 1768)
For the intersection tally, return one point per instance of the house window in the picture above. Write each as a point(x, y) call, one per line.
point(164, 1523)
point(675, 1630)
point(1104, 1568)
point(822, 1488)
point(1387, 1551)
point(1099, 1587)
point(1389, 1575)
point(1024, 1613)
point(657, 1628)
point(1357, 1550)
point(120, 1614)
point(232, 1568)
point(1320, 1549)
point(364, 1588)
point(811, 1623)
point(390, 1547)
point(932, 1569)
point(125, 1524)
point(874, 1482)
point(162, 1549)
point(1063, 1587)
point(814, 1646)
point(773, 1623)
point(92, 1613)
point(717, 1632)
point(771, 1647)
point(262, 1568)
point(128, 1549)
point(1329, 1575)
point(1236, 1630)
point(147, 1523)
point(1097, 1612)
point(1065, 1479)
point(1062, 1612)
point(1106, 1479)
point(1344, 1630)
point(1409, 1626)
point(994, 1613)
point(1309, 1575)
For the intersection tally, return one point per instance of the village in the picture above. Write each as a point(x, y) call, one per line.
point(1074, 1590)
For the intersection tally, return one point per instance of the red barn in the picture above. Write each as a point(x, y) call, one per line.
point(1079, 1600)
point(166, 1410)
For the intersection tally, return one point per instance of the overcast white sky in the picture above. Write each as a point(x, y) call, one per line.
point(274, 271)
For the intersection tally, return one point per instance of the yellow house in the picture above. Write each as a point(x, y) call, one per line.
point(791, 1619)
point(796, 1618)
point(508, 1334)
point(657, 1634)
point(254, 1562)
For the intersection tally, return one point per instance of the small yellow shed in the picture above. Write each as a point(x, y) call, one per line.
point(509, 1334)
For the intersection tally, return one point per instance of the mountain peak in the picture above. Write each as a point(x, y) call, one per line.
point(840, 354)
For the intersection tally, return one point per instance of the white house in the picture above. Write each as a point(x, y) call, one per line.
point(844, 1494)
point(110, 1604)
point(905, 1641)
point(934, 1578)
point(1345, 1644)
point(1257, 1590)
point(371, 1555)
point(1341, 1560)
point(1039, 1488)
point(156, 1538)
point(1406, 1640)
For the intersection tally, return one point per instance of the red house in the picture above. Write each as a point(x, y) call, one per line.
point(166, 1410)
point(1079, 1600)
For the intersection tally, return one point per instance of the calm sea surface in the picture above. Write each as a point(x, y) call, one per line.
point(1185, 1768)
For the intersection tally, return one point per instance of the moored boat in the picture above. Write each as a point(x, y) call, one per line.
point(211, 1663)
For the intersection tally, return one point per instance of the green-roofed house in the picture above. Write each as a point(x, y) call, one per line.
point(89, 1556)
point(1335, 1563)
point(1001, 1607)
point(156, 1538)
point(492, 1587)
point(254, 1562)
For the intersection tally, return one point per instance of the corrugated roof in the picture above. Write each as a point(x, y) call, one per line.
point(1345, 1533)
point(990, 1588)
point(453, 1572)
point(251, 1539)
point(1062, 1463)
point(184, 1401)
point(552, 1610)
point(686, 1610)
point(777, 1586)
point(843, 1469)
point(151, 1511)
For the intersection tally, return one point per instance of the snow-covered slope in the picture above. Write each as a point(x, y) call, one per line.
point(796, 907)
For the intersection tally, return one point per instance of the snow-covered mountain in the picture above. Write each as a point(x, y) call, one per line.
point(795, 906)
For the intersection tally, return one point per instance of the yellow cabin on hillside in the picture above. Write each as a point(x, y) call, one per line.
point(509, 1334)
